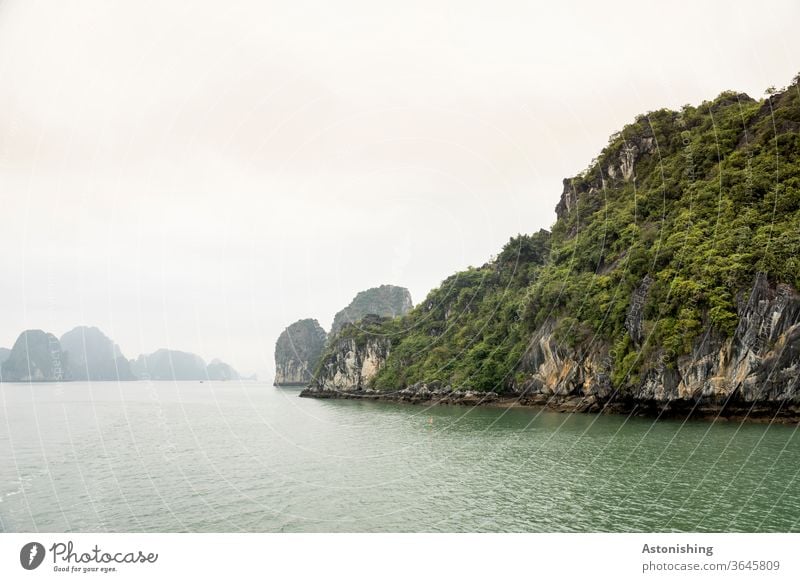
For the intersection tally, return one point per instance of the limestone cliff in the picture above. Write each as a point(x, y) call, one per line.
point(94, 356)
point(35, 357)
point(384, 301)
point(668, 284)
point(350, 364)
point(755, 372)
point(301, 346)
point(297, 352)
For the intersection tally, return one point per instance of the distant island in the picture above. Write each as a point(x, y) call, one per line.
point(668, 285)
point(87, 354)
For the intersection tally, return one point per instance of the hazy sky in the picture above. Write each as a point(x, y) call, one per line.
point(198, 175)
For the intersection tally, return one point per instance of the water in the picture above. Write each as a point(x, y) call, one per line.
point(217, 457)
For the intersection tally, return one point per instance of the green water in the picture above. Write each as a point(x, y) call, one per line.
point(249, 457)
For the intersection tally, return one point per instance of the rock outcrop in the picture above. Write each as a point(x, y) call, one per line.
point(36, 357)
point(297, 352)
point(756, 372)
point(667, 286)
point(384, 301)
point(94, 356)
point(220, 371)
point(166, 364)
point(301, 346)
point(350, 364)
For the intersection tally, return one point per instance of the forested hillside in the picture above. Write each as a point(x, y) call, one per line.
point(670, 272)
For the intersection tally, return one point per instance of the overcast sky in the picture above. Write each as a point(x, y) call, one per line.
point(198, 175)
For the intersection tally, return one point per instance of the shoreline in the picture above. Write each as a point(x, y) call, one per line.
point(762, 412)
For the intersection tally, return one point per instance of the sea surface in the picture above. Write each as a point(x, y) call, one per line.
point(230, 456)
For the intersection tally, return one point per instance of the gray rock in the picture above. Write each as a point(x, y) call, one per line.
point(297, 352)
point(759, 364)
point(634, 319)
point(220, 371)
point(93, 356)
point(36, 357)
point(383, 301)
point(350, 366)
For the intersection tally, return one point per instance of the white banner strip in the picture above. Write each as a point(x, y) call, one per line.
point(378, 557)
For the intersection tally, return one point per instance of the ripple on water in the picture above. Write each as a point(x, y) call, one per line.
point(230, 457)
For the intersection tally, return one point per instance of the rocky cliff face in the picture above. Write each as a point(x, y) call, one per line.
point(384, 301)
point(756, 372)
point(303, 344)
point(93, 356)
point(351, 364)
point(36, 357)
point(668, 284)
point(297, 352)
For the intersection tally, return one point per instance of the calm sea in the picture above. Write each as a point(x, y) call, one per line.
point(214, 457)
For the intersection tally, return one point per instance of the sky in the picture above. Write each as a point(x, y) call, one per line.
point(199, 175)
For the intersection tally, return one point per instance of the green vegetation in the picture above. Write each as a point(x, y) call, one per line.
point(385, 301)
point(700, 199)
point(469, 331)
